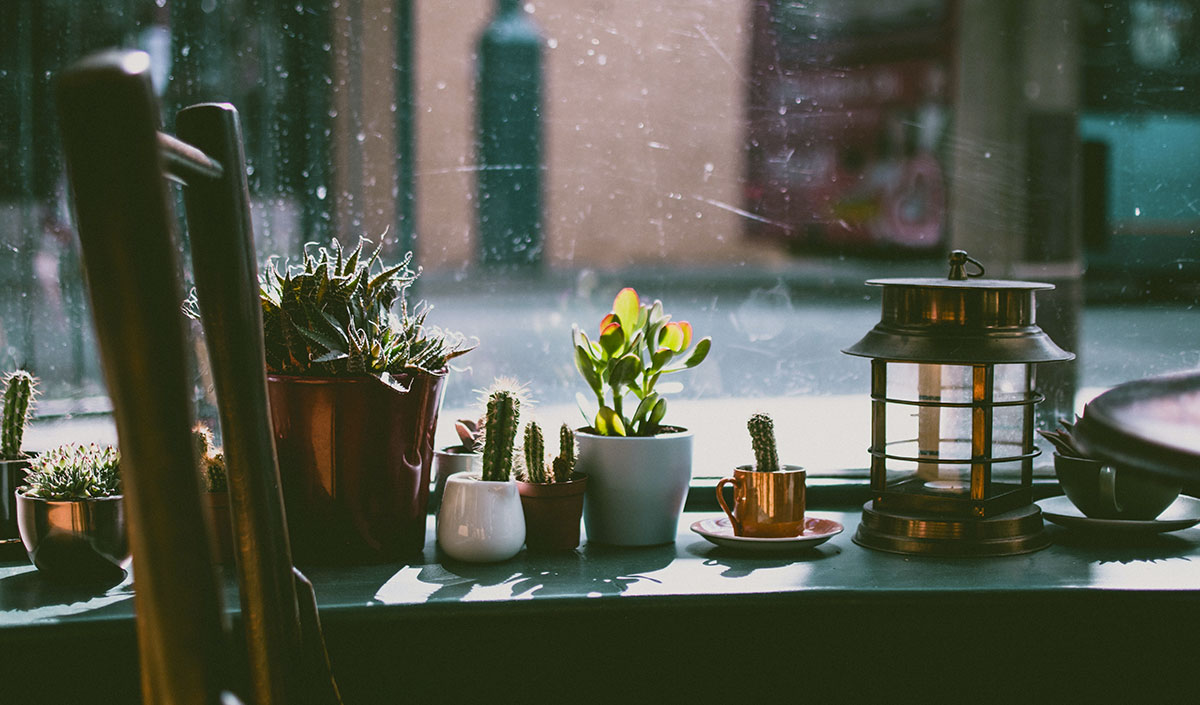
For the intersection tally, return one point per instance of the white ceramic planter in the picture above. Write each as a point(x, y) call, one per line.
point(480, 521)
point(637, 486)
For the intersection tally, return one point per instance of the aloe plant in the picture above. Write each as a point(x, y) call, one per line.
point(637, 345)
point(20, 387)
point(762, 439)
point(73, 471)
point(500, 433)
point(332, 316)
point(210, 461)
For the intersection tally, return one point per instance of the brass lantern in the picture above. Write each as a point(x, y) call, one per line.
point(952, 423)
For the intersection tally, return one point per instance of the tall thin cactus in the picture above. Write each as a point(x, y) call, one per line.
point(535, 453)
point(500, 423)
point(564, 465)
point(19, 389)
point(762, 438)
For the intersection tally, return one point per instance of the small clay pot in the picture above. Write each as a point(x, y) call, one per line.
point(552, 513)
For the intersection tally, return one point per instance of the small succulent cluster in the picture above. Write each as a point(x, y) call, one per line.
point(74, 471)
point(762, 439)
point(209, 459)
point(561, 468)
point(332, 316)
point(500, 432)
point(470, 433)
point(1063, 439)
point(637, 345)
point(20, 387)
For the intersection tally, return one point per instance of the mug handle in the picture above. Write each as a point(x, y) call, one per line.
point(737, 525)
point(1108, 488)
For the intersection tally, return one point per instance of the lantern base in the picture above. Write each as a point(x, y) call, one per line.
point(1016, 531)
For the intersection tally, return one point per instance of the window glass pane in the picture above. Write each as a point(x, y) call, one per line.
point(750, 164)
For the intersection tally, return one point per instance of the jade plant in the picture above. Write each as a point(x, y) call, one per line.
point(74, 472)
point(500, 433)
point(637, 345)
point(332, 316)
point(561, 468)
point(20, 387)
point(762, 439)
point(209, 460)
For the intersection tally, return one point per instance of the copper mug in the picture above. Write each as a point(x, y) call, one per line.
point(766, 505)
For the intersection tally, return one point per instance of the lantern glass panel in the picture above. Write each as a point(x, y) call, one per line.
point(930, 420)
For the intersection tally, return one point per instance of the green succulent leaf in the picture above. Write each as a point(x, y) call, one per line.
point(608, 423)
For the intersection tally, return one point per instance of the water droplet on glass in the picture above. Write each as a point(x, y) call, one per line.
point(321, 192)
point(552, 43)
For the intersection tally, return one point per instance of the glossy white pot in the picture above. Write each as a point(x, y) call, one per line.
point(637, 486)
point(480, 521)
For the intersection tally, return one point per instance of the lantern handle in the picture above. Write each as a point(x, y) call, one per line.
point(958, 266)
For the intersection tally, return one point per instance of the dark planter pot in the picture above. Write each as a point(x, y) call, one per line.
point(552, 513)
point(12, 476)
point(81, 540)
point(218, 507)
point(354, 461)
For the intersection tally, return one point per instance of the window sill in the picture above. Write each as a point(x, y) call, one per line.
point(419, 628)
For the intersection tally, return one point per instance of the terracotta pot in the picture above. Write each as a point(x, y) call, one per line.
point(354, 461)
point(78, 540)
point(218, 507)
point(12, 476)
point(636, 486)
point(552, 513)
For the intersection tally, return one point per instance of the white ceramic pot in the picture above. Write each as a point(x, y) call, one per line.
point(637, 486)
point(480, 521)
point(446, 462)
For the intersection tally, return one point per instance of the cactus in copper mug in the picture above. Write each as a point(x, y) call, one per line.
point(535, 454)
point(19, 390)
point(500, 433)
point(762, 439)
point(563, 466)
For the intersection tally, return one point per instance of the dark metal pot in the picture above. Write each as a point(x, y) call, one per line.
point(354, 461)
point(552, 513)
point(78, 540)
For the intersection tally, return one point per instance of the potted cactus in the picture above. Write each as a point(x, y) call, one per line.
point(70, 513)
point(768, 498)
point(20, 388)
point(551, 496)
point(355, 389)
point(480, 519)
point(638, 467)
point(210, 464)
